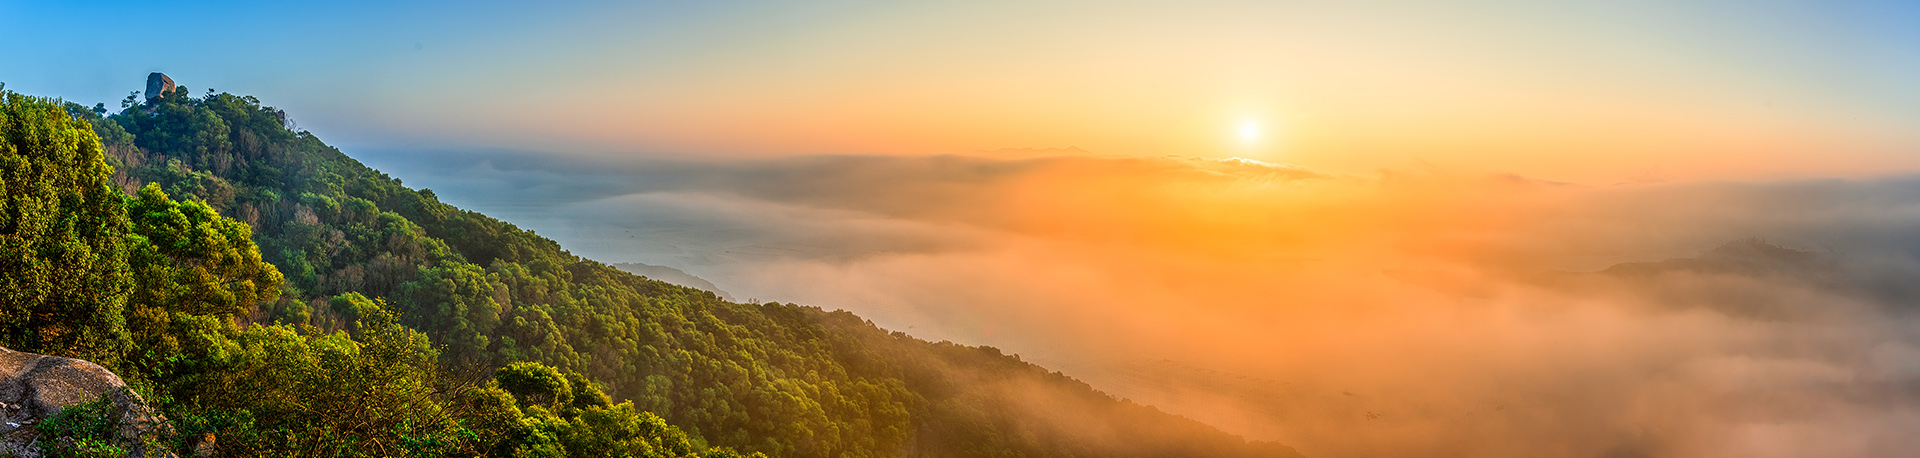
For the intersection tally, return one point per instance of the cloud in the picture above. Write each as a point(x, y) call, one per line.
point(1404, 313)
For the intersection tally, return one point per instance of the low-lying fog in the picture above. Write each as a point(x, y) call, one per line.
point(1404, 313)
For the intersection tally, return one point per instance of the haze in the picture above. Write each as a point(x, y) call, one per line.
point(1361, 229)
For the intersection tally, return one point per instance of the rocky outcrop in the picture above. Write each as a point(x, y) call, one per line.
point(158, 84)
point(34, 388)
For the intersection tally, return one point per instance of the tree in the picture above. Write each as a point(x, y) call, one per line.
point(62, 235)
point(535, 384)
point(189, 259)
point(281, 390)
point(460, 303)
point(193, 270)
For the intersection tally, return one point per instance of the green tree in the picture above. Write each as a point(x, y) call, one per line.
point(194, 271)
point(62, 235)
point(87, 272)
point(295, 391)
point(189, 259)
point(535, 384)
point(622, 431)
point(460, 303)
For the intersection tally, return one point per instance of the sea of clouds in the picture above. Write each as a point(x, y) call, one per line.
point(1398, 313)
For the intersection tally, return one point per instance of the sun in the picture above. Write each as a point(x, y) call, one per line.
point(1249, 131)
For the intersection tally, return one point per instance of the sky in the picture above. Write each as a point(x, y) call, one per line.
point(1573, 91)
point(1359, 228)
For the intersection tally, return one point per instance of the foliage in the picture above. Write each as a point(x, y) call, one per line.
point(84, 430)
point(297, 391)
point(535, 384)
point(551, 426)
point(62, 244)
point(151, 287)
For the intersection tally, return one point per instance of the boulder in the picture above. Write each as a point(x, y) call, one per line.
point(35, 387)
point(158, 84)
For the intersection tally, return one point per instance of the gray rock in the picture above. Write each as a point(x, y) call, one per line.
point(158, 84)
point(35, 387)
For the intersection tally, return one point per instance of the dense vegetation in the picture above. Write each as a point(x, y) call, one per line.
point(264, 288)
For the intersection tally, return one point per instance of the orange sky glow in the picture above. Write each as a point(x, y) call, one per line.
point(1572, 93)
point(1387, 228)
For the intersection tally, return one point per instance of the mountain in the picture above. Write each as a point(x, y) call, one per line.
point(384, 312)
point(1749, 257)
point(672, 275)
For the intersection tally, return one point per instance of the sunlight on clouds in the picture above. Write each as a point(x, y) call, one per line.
point(1395, 313)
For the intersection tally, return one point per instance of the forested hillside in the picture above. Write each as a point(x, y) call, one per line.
point(266, 289)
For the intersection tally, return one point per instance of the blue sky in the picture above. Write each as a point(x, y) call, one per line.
point(1146, 78)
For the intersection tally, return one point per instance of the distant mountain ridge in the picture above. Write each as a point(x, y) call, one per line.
point(671, 275)
point(1743, 256)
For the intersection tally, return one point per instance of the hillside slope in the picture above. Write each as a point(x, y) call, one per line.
point(776, 378)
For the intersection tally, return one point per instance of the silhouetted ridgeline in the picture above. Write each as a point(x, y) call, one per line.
point(384, 311)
